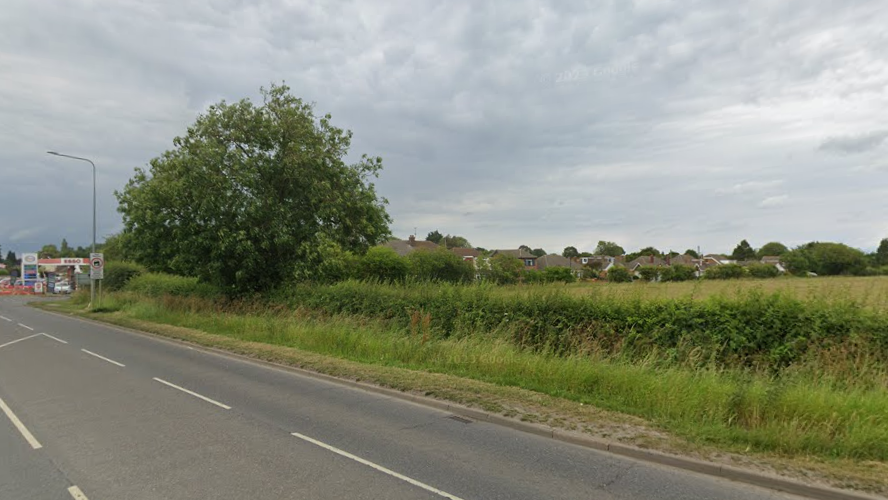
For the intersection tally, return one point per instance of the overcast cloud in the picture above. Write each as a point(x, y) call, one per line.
point(672, 124)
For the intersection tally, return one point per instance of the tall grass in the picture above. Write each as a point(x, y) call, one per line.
point(811, 405)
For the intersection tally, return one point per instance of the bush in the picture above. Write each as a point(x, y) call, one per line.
point(763, 271)
point(383, 264)
point(649, 273)
point(559, 274)
point(725, 272)
point(504, 269)
point(160, 284)
point(619, 274)
point(439, 265)
point(678, 272)
point(117, 274)
point(4, 272)
point(532, 276)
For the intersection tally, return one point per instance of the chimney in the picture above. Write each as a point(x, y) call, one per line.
point(411, 240)
point(668, 260)
point(652, 259)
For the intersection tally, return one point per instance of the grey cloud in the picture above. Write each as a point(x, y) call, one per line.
point(854, 143)
point(664, 116)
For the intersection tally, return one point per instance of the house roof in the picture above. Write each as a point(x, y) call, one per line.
point(466, 252)
point(646, 260)
point(401, 247)
point(518, 253)
point(771, 259)
point(555, 260)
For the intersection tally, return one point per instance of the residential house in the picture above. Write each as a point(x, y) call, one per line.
point(404, 247)
point(555, 260)
point(467, 254)
point(774, 261)
point(529, 259)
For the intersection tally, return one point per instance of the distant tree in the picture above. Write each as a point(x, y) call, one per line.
point(743, 251)
point(619, 274)
point(539, 252)
point(771, 249)
point(525, 248)
point(455, 241)
point(435, 237)
point(570, 252)
point(65, 250)
point(673, 253)
point(585, 254)
point(49, 252)
point(881, 257)
point(609, 248)
point(11, 260)
point(693, 253)
point(646, 252)
point(481, 249)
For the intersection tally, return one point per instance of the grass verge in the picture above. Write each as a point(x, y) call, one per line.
point(796, 425)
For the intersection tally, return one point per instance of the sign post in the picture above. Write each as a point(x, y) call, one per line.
point(29, 269)
point(96, 272)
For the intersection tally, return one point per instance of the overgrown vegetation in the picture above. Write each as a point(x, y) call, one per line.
point(769, 372)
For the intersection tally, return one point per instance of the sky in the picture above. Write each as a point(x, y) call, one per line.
point(548, 124)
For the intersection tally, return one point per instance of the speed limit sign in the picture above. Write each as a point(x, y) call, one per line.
point(96, 266)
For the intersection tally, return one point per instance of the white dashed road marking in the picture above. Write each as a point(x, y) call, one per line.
point(76, 493)
point(4, 318)
point(380, 468)
point(56, 339)
point(26, 326)
point(186, 391)
point(20, 426)
point(104, 358)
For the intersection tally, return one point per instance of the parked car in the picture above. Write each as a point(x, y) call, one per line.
point(62, 287)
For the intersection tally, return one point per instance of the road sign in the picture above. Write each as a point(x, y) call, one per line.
point(96, 266)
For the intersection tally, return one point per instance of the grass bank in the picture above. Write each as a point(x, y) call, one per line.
point(795, 411)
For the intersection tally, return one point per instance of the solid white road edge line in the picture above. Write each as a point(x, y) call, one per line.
point(19, 340)
point(76, 493)
point(20, 426)
point(26, 326)
point(186, 391)
point(380, 468)
point(104, 358)
point(4, 318)
point(54, 338)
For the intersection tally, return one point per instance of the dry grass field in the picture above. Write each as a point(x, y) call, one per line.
point(870, 292)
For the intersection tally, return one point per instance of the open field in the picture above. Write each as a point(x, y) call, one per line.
point(869, 292)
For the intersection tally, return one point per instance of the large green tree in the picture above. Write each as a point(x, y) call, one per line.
point(570, 252)
point(743, 251)
point(435, 237)
point(251, 194)
point(825, 259)
point(881, 256)
point(772, 249)
point(609, 248)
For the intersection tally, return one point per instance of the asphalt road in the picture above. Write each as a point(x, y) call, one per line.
point(94, 412)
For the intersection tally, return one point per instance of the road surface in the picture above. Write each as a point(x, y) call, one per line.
point(93, 412)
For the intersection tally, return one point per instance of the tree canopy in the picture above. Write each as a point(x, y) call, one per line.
point(773, 249)
point(743, 251)
point(435, 237)
point(881, 256)
point(250, 196)
point(609, 248)
point(570, 252)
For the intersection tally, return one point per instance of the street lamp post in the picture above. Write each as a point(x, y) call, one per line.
point(92, 282)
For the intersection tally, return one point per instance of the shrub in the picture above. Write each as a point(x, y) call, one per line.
point(532, 276)
point(649, 273)
point(725, 272)
point(763, 271)
point(439, 265)
point(678, 272)
point(117, 274)
point(504, 269)
point(383, 264)
point(619, 274)
point(4, 272)
point(559, 274)
point(160, 284)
